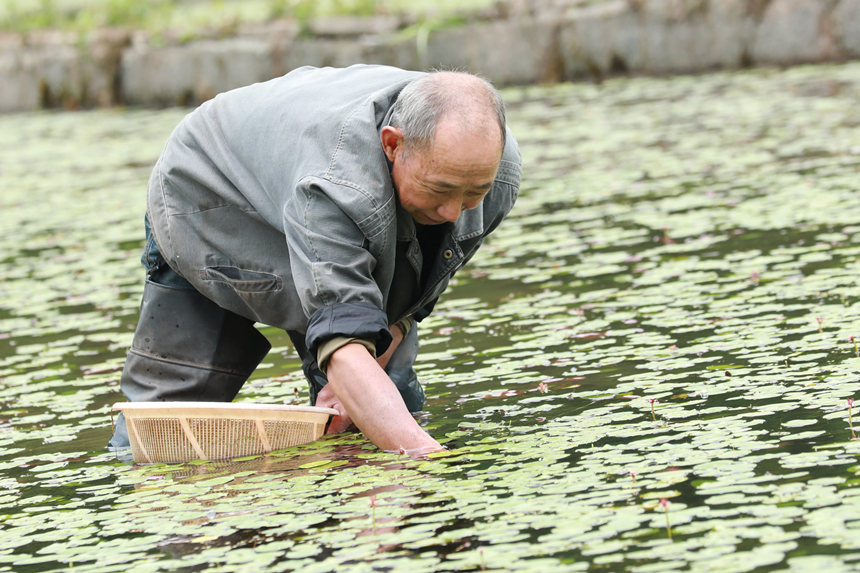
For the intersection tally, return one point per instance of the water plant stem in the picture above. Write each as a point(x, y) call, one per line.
point(665, 503)
point(653, 415)
point(850, 419)
point(856, 350)
point(373, 513)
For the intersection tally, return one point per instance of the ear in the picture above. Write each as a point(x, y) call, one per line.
point(392, 140)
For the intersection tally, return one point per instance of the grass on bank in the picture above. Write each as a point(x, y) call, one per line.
point(189, 18)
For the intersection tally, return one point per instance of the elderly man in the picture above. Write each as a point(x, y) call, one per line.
point(333, 203)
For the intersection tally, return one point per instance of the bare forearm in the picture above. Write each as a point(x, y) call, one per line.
point(373, 402)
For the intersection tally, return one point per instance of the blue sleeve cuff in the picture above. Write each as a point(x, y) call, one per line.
point(351, 320)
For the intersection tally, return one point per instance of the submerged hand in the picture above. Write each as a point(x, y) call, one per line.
point(340, 423)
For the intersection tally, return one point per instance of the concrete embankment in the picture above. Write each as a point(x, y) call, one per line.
point(518, 42)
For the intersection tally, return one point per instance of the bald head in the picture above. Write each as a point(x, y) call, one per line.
point(466, 101)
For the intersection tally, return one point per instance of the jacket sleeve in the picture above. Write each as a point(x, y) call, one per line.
point(333, 270)
point(508, 179)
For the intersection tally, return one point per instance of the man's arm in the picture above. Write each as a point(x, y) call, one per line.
point(359, 386)
point(327, 398)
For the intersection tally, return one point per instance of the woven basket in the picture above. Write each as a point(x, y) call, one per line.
point(184, 431)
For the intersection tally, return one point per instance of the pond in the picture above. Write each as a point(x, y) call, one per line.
point(649, 367)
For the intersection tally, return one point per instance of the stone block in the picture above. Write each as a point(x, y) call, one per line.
point(505, 52)
point(684, 36)
point(846, 19)
point(671, 36)
point(157, 76)
point(227, 64)
point(727, 34)
point(192, 73)
point(789, 33)
point(43, 71)
point(101, 66)
point(659, 36)
point(20, 90)
point(57, 70)
point(342, 52)
point(332, 52)
point(392, 51)
point(353, 26)
point(599, 40)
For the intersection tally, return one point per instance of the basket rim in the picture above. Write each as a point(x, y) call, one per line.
point(224, 406)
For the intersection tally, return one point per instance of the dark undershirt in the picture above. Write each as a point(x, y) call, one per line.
point(429, 239)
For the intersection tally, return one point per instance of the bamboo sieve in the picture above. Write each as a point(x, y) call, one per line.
point(183, 431)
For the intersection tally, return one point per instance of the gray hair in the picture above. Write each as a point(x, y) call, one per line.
point(424, 102)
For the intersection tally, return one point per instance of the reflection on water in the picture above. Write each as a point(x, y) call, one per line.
point(667, 315)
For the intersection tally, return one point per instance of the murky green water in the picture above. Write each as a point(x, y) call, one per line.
point(692, 241)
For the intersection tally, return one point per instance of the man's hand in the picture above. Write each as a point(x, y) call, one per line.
point(340, 423)
point(396, 339)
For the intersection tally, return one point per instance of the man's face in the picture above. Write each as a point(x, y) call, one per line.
point(436, 185)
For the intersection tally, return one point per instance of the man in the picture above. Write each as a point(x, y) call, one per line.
point(333, 203)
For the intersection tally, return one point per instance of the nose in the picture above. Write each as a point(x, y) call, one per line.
point(450, 210)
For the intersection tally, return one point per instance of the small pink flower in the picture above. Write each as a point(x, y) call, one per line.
point(664, 503)
point(819, 319)
point(372, 501)
point(850, 402)
point(652, 400)
point(543, 387)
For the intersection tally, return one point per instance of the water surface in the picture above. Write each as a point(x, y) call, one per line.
point(667, 315)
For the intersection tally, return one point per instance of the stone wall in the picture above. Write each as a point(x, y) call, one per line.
point(516, 42)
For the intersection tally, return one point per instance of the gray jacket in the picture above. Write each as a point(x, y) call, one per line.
point(275, 201)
